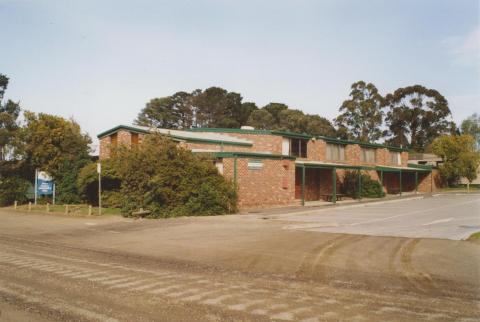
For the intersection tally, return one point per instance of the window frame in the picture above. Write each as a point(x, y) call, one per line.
point(363, 155)
point(339, 154)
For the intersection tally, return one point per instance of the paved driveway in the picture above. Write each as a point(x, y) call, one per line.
point(449, 216)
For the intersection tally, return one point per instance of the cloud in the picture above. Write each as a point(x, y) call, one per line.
point(465, 50)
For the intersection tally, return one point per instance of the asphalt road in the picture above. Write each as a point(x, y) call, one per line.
point(450, 216)
point(230, 268)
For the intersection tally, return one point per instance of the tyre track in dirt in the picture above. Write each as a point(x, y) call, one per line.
point(211, 296)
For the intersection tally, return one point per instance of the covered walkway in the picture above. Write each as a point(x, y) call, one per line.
point(316, 181)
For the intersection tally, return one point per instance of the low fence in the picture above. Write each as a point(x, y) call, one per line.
point(82, 209)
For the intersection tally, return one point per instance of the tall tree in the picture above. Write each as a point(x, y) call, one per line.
point(169, 112)
point(57, 146)
point(460, 159)
point(361, 116)
point(317, 125)
point(416, 116)
point(216, 107)
point(274, 109)
point(9, 112)
point(471, 126)
point(261, 119)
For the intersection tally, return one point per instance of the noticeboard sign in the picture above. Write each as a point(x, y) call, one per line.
point(44, 184)
point(255, 164)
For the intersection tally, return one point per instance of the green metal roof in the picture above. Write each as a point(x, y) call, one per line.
point(300, 136)
point(123, 127)
point(362, 144)
point(420, 166)
point(174, 136)
point(247, 131)
point(402, 169)
point(320, 165)
point(265, 132)
point(249, 155)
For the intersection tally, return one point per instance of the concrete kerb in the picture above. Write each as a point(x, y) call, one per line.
point(337, 206)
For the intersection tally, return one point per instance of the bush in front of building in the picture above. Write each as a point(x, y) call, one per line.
point(87, 184)
point(170, 181)
point(370, 188)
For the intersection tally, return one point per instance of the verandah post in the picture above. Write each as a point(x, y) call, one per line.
point(359, 184)
point(303, 185)
point(416, 182)
point(235, 173)
point(334, 181)
point(381, 181)
point(400, 182)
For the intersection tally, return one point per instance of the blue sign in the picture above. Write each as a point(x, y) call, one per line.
point(45, 185)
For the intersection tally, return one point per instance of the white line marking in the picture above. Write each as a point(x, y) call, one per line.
point(437, 221)
point(420, 211)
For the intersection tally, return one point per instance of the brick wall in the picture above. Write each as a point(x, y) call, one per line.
point(104, 149)
point(121, 137)
point(425, 182)
point(274, 184)
point(261, 142)
point(316, 150)
point(217, 147)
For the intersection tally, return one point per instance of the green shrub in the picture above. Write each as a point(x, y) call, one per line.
point(171, 181)
point(87, 184)
point(11, 189)
point(370, 188)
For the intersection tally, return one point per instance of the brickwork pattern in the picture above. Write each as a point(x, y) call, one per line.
point(274, 184)
point(316, 150)
point(261, 142)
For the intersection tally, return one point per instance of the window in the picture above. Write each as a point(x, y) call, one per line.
point(298, 148)
point(368, 155)
point(395, 158)
point(335, 152)
point(285, 146)
point(134, 138)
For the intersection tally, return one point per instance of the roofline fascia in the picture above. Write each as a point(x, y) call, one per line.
point(249, 155)
point(120, 127)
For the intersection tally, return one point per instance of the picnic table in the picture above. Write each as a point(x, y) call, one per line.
point(329, 197)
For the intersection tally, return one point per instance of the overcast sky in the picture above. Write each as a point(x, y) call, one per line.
point(101, 61)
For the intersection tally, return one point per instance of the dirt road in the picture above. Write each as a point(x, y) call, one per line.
point(56, 268)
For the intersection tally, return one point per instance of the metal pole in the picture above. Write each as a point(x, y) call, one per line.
point(99, 190)
point(431, 181)
point(416, 182)
point(400, 182)
point(303, 186)
point(334, 181)
point(235, 173)
point(53, 193)
point(36, 176)
point(381, 181)
point(359, 185)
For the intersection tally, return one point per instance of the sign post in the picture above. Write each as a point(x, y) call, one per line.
point(99, 170)
point(44, 185)
point(36, 186)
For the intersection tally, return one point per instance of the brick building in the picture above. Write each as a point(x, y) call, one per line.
point(281, 168)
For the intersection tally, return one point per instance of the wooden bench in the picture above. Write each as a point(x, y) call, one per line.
point(141, 213)
point(329, 197)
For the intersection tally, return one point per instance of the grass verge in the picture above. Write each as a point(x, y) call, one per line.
point(475, 237)
point(81, 210)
